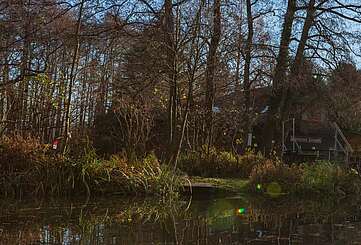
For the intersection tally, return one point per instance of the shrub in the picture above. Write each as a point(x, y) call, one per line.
point(320, 176)
point(275, 177)
point(349, 183)
point(325, 177)
point(317, 178)
point(219, 163)
point(249, 160)
point(17, 153)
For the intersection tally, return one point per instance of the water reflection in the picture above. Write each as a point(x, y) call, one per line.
point(208, 221)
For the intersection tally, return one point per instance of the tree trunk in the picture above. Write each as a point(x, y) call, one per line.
point(298, 62)
point(192, 72)
point(211, 69)
point(168, 30)
point(72, 72)
point(280, 83)
point(247, 71)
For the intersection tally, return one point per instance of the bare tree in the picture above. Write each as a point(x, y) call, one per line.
point(211, 69)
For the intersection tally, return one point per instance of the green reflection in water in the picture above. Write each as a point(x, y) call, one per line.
point(241, 211)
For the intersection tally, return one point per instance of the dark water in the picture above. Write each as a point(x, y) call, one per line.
point(233, 220)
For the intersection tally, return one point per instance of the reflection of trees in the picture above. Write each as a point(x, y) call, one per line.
point(293, 219)
point(94, 223)
point(153, 222)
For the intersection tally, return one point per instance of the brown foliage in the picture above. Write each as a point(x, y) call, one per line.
point(219, 164)
point(271, 171)
point(29, 168)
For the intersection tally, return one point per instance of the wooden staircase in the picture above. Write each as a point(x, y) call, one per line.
point(326, 142)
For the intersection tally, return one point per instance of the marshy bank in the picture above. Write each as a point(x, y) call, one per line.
point(254, 174)
point(31, 169)
point(122, 200)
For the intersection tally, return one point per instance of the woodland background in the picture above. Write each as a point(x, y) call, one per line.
point(140, 76)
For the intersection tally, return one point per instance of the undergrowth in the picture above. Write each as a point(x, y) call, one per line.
point(219, 163)
point(29, 168)
point(317, 178)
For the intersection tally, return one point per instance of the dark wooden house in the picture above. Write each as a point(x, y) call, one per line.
point(309, 132)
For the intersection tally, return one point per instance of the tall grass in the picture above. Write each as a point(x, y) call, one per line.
point(29, 168)
point(325, 177)
point(219, 163)
point(319, 178)
point(274, 173)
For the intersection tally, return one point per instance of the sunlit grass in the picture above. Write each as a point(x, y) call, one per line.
point(29, 168)
point(230, 185)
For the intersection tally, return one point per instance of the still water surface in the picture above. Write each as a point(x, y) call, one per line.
point(210, 220)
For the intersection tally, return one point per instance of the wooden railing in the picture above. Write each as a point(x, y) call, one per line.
point(345, 141)
point(345, 146)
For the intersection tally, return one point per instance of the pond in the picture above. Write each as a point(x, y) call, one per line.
point(205, 220)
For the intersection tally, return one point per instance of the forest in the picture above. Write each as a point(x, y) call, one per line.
point(128, 95)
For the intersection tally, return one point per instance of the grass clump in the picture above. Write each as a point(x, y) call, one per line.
point(228, 185)
point(29, 168)
point(146, 176)
point(274, 177)
point(319, 178)
point(220, 164)
point(323, 177)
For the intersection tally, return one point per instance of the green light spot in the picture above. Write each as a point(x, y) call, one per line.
point(241, 210)
point(258, 186)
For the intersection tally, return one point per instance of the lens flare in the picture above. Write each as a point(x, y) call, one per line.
point(241, 211)
point(274, 189)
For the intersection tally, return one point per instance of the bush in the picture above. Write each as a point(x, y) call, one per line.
point(219, 163)
point(325, 177)
point(318, 178)
point(249, 160)
point(18, 153)
point(349, 183)
point(275, 177)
